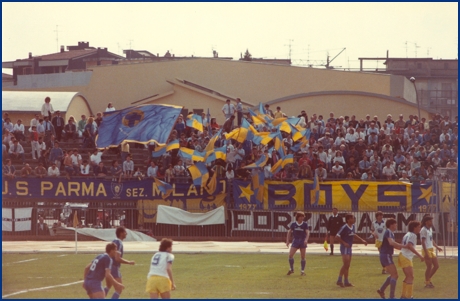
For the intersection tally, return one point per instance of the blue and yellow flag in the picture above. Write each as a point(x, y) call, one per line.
point(191, 154)
point(257, 119)
point(316, 189)
point(212, 185)
point(200, 174)
point(263, 138)
point(289, 159)
point(164, 187)
point(161, 150)
point(217, 153)
point(195, 121)
point(140, 124)
point(260, 163)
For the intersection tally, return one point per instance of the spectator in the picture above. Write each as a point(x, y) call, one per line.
point(34, 122)
point(117, 171)
point(70, 130)
point(47, 108)
point(110, 107)
point(18, 131)
point(9, 170)
point(98, 119)
point(76, 160)
point(41, 128)
point(26, 171)
point(451, 163)
point(85, 169)
point(81, 126)
point(321, 173)
point(388, 172)
point(53, 170)
point(100, 171)
point(128, 168)
point(169, 174)
point(368, 176)
point(58, 123)
point(68, 165)
point(89, 134)
point(42, 228)
point(8, 126)
point(96, 157)
point(364, 165)
point(49, 129)
point(416, 178)
point(34, 143)
point(152, 171)
point(239, 111)
point(56, 155)
point(228, 124)
point(138, 174)
point(337, 170)
point(16, 152)
point(40, 171)
point(229, 110)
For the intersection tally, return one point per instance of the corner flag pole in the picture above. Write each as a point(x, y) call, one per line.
point(75, 224)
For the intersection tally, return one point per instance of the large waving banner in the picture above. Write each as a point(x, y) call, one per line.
point(391, 196)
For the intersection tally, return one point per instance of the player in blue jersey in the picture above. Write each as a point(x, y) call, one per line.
point(346, 235)
point(99, 269)
point(300, 231)
point(386, 257)
point(118, 260)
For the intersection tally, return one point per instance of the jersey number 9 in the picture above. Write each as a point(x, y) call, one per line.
point(156, 259)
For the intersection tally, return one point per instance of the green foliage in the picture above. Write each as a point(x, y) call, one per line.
point(224, 276)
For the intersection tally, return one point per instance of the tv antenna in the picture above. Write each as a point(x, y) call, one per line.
point(290, 48)
point(57, 38)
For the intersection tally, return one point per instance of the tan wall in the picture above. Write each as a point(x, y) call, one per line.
point(26, 117)
point(252, 82)
point(343, 105)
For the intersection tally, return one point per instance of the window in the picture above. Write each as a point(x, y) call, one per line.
point(446, 90)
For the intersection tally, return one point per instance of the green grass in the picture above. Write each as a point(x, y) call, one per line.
point(224, 276)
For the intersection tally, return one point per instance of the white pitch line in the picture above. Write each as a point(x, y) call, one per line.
point(41, 288)
point(23, 261)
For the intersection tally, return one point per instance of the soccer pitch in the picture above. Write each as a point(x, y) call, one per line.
point(221, 276)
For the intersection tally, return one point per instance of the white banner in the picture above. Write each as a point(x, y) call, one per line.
point(22, 219)
point(176, 216)
point(109, 234)
point(7, 219)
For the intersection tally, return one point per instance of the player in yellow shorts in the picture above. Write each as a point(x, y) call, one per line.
point(428, 245)
point(378, 229)
point(405, 258)
point(160, 279)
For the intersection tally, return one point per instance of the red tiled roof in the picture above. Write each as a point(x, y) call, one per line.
point(66, 55)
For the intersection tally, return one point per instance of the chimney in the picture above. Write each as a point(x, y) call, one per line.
point(62, 48)
point(30, 55)
point(173, 54)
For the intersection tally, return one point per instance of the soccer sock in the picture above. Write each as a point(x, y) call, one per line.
point(339, 279)
point(409, 290)
point(346, 281)
point(385, 284)
point(115, 295)
point(404, 290)
point(332, 249)
point(291, 263)
point(302, 264)
point(392, 287)
point(106, 290)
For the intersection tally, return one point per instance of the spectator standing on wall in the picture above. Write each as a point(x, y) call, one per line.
point(110, 107)
point(58, 123)
point(47, 108)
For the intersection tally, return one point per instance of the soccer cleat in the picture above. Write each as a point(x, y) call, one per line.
point(348, 285)
point(430, 285)
point(290, 272)
point(302, 274)
point(382, 294)
point(331, 254)
point(339, 284)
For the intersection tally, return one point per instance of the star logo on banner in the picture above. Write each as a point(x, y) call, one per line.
point(427, 193)
point(246, 192)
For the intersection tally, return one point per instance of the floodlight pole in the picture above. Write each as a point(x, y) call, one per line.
point(412, 79)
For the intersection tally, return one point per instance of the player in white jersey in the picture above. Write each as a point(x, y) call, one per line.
point(378, 229)
point(160, 279)
point(428, 245)
point(405, 258)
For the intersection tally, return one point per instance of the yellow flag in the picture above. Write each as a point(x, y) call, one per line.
point(326, 247)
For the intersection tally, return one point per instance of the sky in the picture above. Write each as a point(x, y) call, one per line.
point(305, 32)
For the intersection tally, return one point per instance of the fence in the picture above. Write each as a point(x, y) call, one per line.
point(242, 222)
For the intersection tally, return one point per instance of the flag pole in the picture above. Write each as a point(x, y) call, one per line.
point(75, 224)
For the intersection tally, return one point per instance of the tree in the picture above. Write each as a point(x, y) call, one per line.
point(247, 56)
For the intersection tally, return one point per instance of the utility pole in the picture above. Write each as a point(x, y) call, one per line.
point(57, 38)
point(290, 41)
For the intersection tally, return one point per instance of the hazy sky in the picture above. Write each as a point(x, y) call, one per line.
point(266, 29)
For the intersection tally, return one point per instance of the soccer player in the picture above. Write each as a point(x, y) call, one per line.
point(426, 235)
point(405, 258)
point(334, 224)
point(300, 231)
point(115, 271)
point(160, 278)
point(99, 269)
point(378, 229)
point(346, 235)
point(386, 258)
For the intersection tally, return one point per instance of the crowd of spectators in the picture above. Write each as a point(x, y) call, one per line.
point(343, 147)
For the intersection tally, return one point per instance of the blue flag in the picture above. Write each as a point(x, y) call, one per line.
point(140, 124)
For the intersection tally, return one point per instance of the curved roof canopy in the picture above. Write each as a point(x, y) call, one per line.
point(32, 101)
